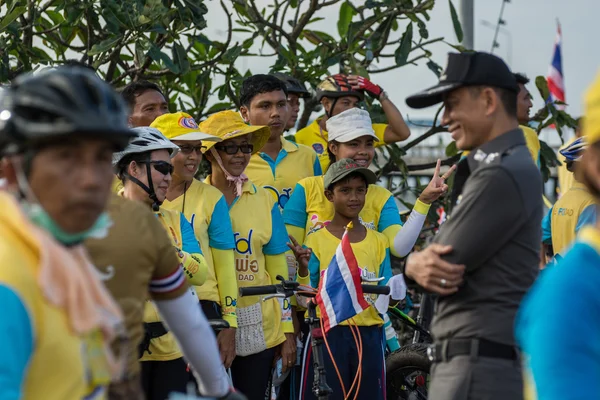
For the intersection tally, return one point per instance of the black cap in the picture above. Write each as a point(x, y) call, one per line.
point(466, 69)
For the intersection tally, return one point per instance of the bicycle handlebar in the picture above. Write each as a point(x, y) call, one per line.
point(288, 288)
point(258, 290)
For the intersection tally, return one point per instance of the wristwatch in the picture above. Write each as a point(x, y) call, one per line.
point(383, 96)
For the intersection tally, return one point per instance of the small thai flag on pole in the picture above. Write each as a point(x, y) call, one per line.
point(340, 296)
point(556, 84)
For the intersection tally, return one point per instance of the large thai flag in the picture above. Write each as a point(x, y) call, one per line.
point(556, 83)
point(340, 296)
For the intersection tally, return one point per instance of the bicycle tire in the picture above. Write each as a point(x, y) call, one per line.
point(407, 360)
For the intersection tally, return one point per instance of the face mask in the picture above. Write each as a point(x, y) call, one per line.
point(42, 219)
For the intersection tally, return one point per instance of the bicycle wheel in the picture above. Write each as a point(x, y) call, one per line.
point(407, 371)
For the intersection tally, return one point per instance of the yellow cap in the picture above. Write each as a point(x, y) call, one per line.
point(591, 116)
point(181, 126)
point(229, 124)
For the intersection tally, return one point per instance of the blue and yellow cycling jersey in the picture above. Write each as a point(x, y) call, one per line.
point(573, 210)
point(280, 176)
point(43, 357)
point(182, 236)
point(207, 210)
point(316, 138)
point(558, 323)
point(260, 243)
point(372, 254)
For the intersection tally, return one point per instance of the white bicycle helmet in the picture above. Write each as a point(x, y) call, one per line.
point(147, 140)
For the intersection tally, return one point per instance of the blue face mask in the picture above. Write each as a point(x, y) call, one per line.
point(41, 218)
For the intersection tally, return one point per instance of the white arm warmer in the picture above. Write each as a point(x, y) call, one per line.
point(407, 236)
point(197, 341)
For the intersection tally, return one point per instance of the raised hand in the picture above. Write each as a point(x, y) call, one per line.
point(302, 255)
point(361, 83)
point(437, 186)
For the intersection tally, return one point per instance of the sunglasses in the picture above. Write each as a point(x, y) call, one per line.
point(232, 149)
point(186, 149)
point(163, 167)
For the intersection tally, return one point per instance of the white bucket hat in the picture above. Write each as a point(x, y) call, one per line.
point(349, 125)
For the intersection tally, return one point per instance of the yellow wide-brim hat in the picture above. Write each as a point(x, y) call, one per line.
point(229, 124)
point(591, 116)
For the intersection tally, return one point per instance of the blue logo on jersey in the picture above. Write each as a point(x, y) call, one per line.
point(282, 198)
point(318, 147)
point(243, 245)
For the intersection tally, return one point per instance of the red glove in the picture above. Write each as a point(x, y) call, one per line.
point(372, 89)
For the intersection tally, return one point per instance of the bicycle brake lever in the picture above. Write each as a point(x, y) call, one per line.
point(273, 296)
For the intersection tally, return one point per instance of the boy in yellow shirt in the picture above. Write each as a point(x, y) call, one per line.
point(346, 186)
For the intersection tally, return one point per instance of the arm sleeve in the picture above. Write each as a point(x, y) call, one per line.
point(220, 232)
point(389, 215)
point(187, 322)
point(317, 170)
point(547, 228)
point(193, 262)
point(16, 331)
point(294, 212)
point(475, 231)
point(190, 243)
point(279, 237)
point(224, 262)
point(277, 265)
point(405, 239)
point(587, 217)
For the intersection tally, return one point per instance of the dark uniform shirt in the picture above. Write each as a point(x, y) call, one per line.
point(494, 230)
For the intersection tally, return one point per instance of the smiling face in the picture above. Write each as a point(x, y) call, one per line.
point(160, 181)
point(361, 150)
point(269, 109)
point(235, 163)
point(348, 195)
point(186, 165)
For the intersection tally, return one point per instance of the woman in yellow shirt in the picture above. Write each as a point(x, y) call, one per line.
point(145, 170)
point(264, 327)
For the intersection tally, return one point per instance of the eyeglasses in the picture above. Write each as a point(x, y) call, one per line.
point(186, 149)
point(232, 149)
point(163, 167)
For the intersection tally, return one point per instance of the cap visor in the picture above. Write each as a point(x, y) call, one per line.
point(369, 175)
point(197, 136)
point(431, 96)
point(355, 135)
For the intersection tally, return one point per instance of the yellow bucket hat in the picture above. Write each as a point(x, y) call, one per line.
point(229, 124)
point(181, 126)
point(591, 116)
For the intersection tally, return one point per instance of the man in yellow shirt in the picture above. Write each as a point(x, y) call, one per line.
point(524, 105)
point(339, 93)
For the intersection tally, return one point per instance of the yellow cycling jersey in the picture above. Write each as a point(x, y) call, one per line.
point(372, 254)
point(43, 357)
point(259, 236)
point(206, 209)
point(565, 177)
point(164, 348)
point(316, 138)
point(279, 177)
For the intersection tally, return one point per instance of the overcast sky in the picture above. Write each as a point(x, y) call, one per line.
point(527, 47)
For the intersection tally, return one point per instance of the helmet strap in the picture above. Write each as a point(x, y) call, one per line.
point(147, 188)
point(328, 113)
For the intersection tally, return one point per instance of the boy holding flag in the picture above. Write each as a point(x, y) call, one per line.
point(334, 259)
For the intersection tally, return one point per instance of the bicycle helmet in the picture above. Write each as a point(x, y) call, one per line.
point(293, 85)
point(147, 140)
point(574, 151)
point(56, 103)
point(336, 86)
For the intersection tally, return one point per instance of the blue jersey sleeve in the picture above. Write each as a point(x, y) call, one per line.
point(190, 243)
point(385, 269)
point(294, 212)
point(317, 167)
point(220, 232)
point(16, 331)
point(314, 269)
point(587, 217)
point(389, 215)
point(279, 237)
point(547, 228)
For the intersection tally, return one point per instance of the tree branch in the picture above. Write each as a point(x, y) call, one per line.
point(392, 67)
point(304, 19)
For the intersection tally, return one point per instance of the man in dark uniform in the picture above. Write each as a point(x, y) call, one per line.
point(485, 257)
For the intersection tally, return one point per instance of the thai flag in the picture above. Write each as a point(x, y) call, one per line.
point(556, 83)
point(340, 296)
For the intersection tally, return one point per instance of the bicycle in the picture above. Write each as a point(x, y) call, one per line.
point(288, 288)
point(408, 368)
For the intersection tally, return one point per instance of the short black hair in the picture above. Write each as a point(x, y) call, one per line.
point(122, 165)
point(257, 84)
point(346, 179)
point(521, 78)
point(508, 98)
point(135, 89)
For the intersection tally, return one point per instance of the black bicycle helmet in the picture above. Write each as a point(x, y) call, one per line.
point(56, 103)
point(293, 85)
point(336, 86)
